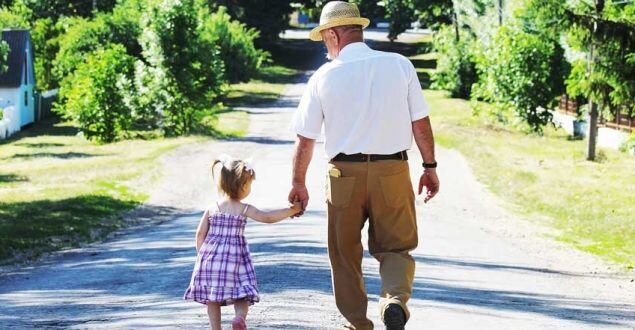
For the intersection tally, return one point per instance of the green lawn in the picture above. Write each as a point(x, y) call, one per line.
point(58, 190)
point(547, 178)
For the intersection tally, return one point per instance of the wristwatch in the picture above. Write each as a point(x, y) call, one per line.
point(429, 165)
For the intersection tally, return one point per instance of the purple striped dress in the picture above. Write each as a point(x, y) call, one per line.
point(224, 272)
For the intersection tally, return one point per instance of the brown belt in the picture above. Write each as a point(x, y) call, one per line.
point(402, 155)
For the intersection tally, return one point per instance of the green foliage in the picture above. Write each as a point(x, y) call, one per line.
point(269, 17)
point(611, 83)
point(12, 16)
point(44, 35)
point(4, 52)
point(523, 72)
point(93, 94)
point(456, 66)
point(400, 13)
point(236, 43)
point(434, 13)
point(15, 17)
point(183, 72)
point(55, 8)
point(629, 144)
point(82, 36)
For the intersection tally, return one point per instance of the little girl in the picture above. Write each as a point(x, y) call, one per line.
point(223, 273)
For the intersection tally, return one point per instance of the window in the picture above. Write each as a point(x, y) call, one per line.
point(26, 98)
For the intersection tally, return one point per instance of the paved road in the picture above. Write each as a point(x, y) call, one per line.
point(478, 267)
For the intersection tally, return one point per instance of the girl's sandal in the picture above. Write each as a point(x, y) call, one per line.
point(238, 323)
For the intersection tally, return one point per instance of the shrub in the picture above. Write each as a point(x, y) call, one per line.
point(523, 72)
point(93, 95)
point(456, 67)
point(82, 36)
point(182, 72)
point(236, 43)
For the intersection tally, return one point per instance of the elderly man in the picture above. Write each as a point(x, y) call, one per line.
point(371, 106)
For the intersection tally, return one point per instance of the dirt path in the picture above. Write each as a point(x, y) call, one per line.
point(478, 267)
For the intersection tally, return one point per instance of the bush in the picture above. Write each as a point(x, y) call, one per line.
point(182, 72)
point(456, 67)
point(82, 36)
point(523, 72)
point(93, 95)
point(236, 43)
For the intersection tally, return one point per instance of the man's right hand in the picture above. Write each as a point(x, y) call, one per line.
point(300, 194)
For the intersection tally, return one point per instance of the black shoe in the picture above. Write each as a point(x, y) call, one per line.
point(394, 317)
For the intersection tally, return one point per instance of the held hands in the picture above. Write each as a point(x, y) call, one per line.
point(429, 180)
point(300, 195)
point(296, 207)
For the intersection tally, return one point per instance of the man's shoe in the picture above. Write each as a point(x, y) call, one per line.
point(394, 317)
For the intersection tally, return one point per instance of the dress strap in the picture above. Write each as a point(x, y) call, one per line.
point(245, 210)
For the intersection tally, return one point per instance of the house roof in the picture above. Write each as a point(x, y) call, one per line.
point(17, 40)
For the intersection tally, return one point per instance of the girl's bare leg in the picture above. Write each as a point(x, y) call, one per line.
point(213, 311)
point(241, 307)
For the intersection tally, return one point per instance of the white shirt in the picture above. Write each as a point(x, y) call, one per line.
point(367, 101)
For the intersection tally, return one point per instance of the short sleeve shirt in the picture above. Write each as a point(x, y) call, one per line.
point(365, 100)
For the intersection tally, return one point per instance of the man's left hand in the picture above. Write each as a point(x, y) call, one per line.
point(429, 180)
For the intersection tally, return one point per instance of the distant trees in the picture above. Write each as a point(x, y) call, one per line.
point(600, 65)
point(134, 65)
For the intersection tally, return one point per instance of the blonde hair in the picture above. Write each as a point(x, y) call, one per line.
point(234, 175)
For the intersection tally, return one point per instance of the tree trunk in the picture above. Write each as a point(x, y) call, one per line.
point(593, 130)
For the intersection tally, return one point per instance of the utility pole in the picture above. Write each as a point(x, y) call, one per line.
point(500, 12)
point(455, 20)
point(593, 107)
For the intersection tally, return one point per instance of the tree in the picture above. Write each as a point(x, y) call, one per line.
point(401, 13)
point(236, 44)
point(523, 72)
point(269, 17)
point(456, 64)
point(83, 35)
point(182, 72)
point(94, 94)
point(434, 13)
point(67, 8)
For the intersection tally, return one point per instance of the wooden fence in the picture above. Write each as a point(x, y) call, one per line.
point(45, 104)
point(621, 121)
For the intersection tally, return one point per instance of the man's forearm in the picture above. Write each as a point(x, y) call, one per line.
point(301, 159)
point(422, 131)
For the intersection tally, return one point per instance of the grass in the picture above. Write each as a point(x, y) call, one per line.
point(265, 87)
point(544, 178)
point(58, 190)
point(547, 178)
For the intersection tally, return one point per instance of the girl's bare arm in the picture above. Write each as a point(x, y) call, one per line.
point(273, 216)
point(201, 231)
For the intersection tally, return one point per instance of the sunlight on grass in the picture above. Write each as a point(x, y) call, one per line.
point(57, 189)
point(592, 204)
point(266, 87)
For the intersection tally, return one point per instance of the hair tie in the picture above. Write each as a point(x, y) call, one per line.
point(225, 160)
point(249, 165)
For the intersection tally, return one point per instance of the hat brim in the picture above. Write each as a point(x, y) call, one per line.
point(315, 33)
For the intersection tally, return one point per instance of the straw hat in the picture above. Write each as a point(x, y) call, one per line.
point(338, 13)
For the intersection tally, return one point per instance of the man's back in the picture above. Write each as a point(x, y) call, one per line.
point(367, 100)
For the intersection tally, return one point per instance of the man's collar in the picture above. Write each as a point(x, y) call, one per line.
point(352, 50)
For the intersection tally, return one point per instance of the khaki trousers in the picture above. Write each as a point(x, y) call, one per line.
point(380, 192)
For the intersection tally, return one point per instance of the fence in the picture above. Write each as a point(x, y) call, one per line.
point(622, 120)
point(45, 104)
